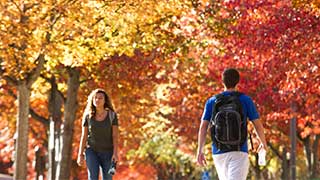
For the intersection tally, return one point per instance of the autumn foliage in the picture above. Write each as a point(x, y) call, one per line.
point(159, 62)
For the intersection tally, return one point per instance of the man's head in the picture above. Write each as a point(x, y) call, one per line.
point(230, 78)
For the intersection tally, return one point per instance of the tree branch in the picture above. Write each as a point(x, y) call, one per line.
point(16, 6)
point(50, 81)
point(34, 74)
point(26, 7)
point(39, 118)
point(274, 150)
point(33, 114)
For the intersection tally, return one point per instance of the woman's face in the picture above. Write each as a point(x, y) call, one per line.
point(98, 100)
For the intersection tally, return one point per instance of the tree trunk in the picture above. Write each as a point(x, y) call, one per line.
point(55, 105)
point(315, 171)
point(21, 148)
point(285, 165)
point(64, 164)
point(308, 152)
point(311, 151)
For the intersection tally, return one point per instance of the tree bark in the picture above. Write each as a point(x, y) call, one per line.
point(315, 171)
point(64, 164)
point(21, 147)
point(285, 165)
point(308, 153)
point(55, 105)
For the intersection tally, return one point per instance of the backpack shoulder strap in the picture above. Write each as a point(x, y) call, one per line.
point(111, 116)
point(218, 97)
point(86, 120)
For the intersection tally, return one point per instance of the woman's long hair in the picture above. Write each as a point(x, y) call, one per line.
point(91, 109)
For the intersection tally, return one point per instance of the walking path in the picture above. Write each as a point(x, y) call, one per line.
point(5, 177)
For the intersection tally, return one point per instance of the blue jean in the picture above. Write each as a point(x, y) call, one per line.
point(95, 161)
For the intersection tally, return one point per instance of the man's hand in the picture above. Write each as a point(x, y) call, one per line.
point(261, 146)
point(201, 160)
point(260, 132)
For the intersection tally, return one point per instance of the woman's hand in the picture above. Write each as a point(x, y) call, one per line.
point(115, 156)
point(80, 159)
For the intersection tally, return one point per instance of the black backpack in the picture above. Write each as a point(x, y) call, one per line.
point(228, 126)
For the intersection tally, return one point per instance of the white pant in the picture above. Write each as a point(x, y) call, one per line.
point(232, 165)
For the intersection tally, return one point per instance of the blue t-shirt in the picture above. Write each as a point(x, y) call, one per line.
point(249, 111)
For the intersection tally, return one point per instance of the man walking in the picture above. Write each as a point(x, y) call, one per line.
point(227, 115)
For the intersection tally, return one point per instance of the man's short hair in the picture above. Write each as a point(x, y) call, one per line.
point(230, 77)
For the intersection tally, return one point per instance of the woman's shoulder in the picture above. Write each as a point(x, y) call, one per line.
point(111, 112)
point(85, 119)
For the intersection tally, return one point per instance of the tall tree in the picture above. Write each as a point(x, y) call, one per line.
point(275, 46)
point(23, 46)
point(64, 165)
point(90, 31)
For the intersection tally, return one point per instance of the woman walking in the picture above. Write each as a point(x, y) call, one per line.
point(99, 138)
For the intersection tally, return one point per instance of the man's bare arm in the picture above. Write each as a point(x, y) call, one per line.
point(260, 132)
point(201, 142)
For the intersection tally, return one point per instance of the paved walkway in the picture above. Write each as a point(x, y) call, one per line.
point(5, 177)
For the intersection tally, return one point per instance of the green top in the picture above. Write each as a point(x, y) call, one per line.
point(100, 132)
